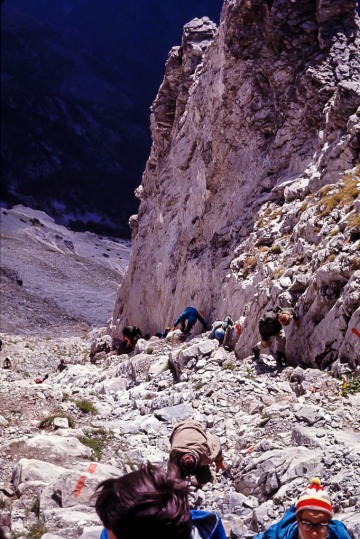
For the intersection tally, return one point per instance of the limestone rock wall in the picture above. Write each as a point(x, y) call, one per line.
point(244, 201)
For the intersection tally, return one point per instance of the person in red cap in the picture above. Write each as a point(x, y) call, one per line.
point(311, 518)
point(193, 450)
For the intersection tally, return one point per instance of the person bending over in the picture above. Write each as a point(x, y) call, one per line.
point(271, 329)
point(192, 449)
point(220, 327)
point(191, 315)
point(131, 335)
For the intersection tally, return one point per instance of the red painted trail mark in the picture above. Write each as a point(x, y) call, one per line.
point(79, 485)
point(82, 479)
point(356, 332)
point(92, 467)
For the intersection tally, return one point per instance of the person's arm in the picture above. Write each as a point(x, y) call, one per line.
point(338, 530)
point(138, 332)
point(213, 329)
point(219, 459)
point(296, 317)
point(177, 322)
point(220, 465)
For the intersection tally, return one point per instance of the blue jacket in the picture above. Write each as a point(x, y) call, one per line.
point(191, 315)
point(287, 528)
point(208, 524)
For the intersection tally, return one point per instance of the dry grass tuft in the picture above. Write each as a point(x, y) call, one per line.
point(344, 196)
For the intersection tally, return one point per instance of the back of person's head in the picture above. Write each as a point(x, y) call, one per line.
point(2, 533)
point(149, 502)
point(284, 318)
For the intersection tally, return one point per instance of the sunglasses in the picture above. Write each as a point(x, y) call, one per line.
point(319, 526)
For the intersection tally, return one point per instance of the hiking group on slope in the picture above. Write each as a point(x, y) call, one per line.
point(271, 329)
point(154, 501)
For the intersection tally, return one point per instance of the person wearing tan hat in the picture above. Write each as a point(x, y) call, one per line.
point(192, 449)
point(310, 518)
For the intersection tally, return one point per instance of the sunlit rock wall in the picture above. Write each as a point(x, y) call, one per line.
point(253, 128)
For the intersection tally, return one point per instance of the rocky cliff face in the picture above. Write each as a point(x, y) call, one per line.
point(244, 201)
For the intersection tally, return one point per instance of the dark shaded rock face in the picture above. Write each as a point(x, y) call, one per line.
point(244, 201)
point(70, 128)
point(77, 84)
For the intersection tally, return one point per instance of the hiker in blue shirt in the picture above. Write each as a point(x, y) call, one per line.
point(191, 315)
point(311, 518)
point(152, 502)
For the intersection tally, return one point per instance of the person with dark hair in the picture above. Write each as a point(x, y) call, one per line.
point(131, 335)
point(191, 315)
point(152, 502)
point(271, 329)
point(7, 363)
point(192, 450)
point(311, 518)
